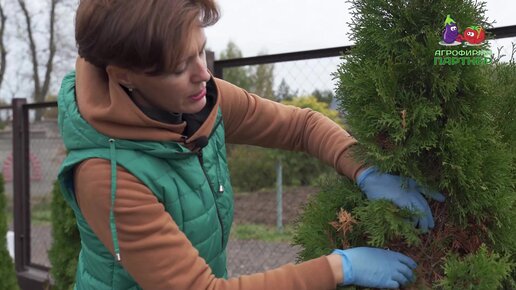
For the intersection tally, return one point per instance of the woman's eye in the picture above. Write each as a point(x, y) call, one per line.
point(180, 69)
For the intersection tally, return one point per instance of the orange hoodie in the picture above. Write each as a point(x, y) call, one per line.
point(146, 232)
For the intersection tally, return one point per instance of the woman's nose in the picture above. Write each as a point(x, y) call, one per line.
point(201, 73)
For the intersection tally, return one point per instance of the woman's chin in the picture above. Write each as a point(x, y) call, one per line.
point(195, 106)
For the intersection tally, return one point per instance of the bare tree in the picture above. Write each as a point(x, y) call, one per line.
point(3, 50)
point(41, 86)
point(66, 55)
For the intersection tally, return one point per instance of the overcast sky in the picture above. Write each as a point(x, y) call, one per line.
point(277, 26)
point(257, 27)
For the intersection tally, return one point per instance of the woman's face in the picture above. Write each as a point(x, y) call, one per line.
point(184, 90)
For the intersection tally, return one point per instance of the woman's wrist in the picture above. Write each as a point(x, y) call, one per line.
point(336, 267)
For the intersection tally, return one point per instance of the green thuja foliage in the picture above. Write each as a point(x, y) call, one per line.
point(380, 220)
point(314, 231)
point(433, 123)
point(502, 77)
point(66, 244)
point(503, 108)
point(480, 270)
point(8, 279)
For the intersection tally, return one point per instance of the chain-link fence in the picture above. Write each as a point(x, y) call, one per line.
point(46, 152)
point(45, 156)
point(6, 156)
point(257, 244)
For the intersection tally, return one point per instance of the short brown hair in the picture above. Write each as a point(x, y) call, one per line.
point(143, 35)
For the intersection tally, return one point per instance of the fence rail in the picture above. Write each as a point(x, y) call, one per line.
point(220, 65)
point(34, 276)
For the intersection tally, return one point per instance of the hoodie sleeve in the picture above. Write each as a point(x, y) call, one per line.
point(146, 232)
point(250, 119)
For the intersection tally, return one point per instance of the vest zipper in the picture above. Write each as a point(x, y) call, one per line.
point(112, 223)
point(199, 156)
point(221, 186)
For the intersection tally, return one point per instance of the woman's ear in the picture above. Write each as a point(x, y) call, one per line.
point(120, 75)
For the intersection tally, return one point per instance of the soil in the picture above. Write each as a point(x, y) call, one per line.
point(260, 207)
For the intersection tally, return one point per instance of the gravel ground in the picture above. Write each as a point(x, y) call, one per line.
point(244, 256)
point(248, 257)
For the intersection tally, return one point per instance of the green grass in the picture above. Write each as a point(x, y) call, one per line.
point(41, 217)
point(261, 232)
point(9, 209)
point(40, 212)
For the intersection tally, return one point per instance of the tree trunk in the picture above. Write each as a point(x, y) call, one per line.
point(41, 87)
point(3, 51)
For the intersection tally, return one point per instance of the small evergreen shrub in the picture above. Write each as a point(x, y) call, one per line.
point(66, 244)
point(253, 168)
point(480, 270)
point(8, 280)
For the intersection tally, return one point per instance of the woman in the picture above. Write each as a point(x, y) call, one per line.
point(145, 125)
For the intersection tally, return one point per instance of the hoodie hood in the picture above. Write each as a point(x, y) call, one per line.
point(93, 109)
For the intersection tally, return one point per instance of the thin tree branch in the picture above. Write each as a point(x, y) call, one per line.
point(52, 51)
point(33, 52)
point(3, 50)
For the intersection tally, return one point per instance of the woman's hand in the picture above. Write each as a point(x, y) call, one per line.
point(378, 185)
point(371, 267)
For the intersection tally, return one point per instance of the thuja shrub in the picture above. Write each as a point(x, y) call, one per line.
point(66, 243)
point(8, 279)
point(430, 122)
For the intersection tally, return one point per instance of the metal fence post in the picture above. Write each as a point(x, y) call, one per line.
point(215, 69)
point(279, 195)
point(21, 179)
point(29, 276)
point(210, 60)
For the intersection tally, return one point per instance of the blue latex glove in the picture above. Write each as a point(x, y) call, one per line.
point(378, 185)
point(376, 268)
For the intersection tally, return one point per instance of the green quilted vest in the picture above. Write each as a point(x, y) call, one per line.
point(194, 188)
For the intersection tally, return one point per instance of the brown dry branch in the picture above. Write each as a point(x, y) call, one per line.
point(344, 225)
point(404, 119)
